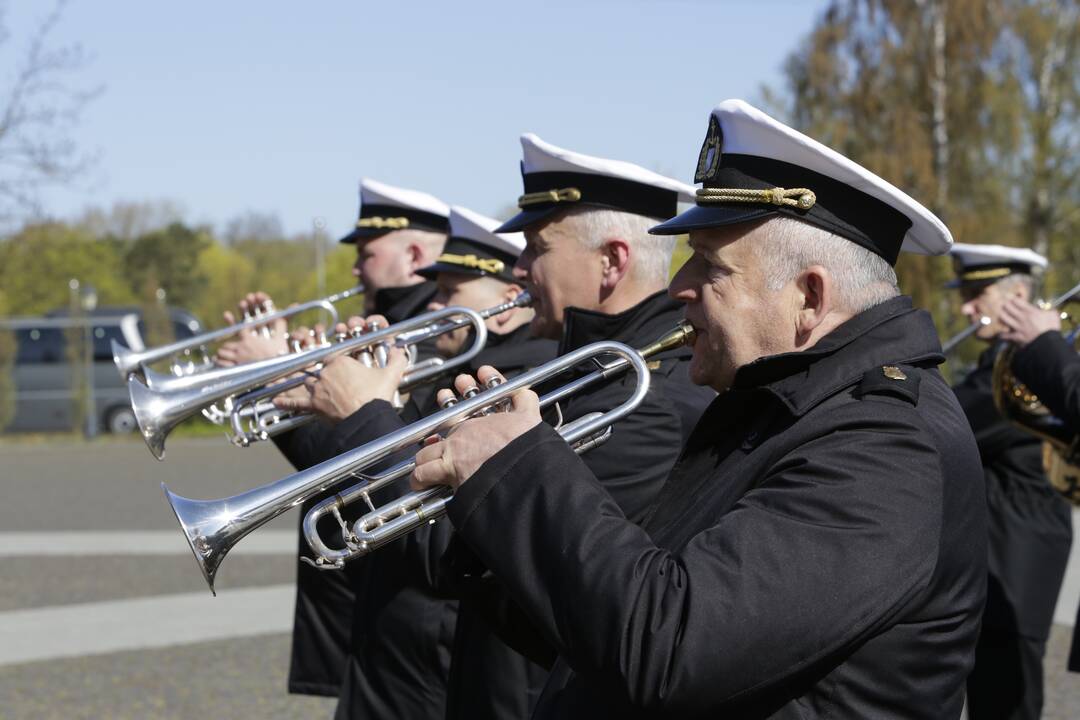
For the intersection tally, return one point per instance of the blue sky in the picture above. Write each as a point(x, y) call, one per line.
point(275, 107)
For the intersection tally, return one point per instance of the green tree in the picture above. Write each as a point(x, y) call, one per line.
point(172, 253)
point(968, 105)
point(37, 263)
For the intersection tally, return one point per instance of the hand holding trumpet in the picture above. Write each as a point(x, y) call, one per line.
point(257, 342)
point(346, 383)
point(454, 459)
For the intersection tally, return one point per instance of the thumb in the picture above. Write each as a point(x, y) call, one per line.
point(230, 319)
point(526, 401)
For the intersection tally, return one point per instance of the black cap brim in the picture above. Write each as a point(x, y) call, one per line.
point(362, 234)
point(702, 217)
point(525, 218)
point(434, 269)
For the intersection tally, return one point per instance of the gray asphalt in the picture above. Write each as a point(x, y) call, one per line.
point(115, 486)
point(112, 486)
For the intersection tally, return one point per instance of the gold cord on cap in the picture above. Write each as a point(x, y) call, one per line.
point(800, 198)
point(985, 274)
point(488, 265)
point(391, 223)
point(570, 194)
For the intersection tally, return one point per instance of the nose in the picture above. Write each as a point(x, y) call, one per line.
point(968, 309)
point(520, 271)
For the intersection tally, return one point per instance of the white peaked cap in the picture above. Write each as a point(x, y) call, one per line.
point(556, 179)
point(378, 193)
point(977, 264)
point(756, 156)
point(975, 255)
point(386, 208)
point(480, 229)
point(539, 156)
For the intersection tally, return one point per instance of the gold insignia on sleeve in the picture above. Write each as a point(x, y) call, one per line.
point(893, 373)
point(570, 194)
point(380, 223)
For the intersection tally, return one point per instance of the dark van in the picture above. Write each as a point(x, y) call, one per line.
point(44, 374)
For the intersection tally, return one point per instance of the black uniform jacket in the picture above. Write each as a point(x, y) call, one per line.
point(324, 600)
point(402, 623)
point(818, 551)
point(1030, 524)
point(488, 679)
point(1051, 369)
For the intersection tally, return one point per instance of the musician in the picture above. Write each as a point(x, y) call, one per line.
point(398, 232)
point(1030, 524)
point(1044, 362)
point(1050, 368)
point(403, 625)
point(595, 274)
point(819, 548)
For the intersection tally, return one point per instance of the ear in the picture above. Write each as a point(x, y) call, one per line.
point(614, 262)
point(510, 291)
point(415, 255)
point(815, 298)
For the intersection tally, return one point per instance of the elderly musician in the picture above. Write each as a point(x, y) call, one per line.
point(818, 550)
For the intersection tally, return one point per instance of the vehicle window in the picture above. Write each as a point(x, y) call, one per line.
point(39, 345)
point(103, 337)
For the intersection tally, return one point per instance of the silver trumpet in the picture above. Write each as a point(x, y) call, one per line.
point(949, 345)
point(212, 527)
point(132, 362)
point(161, 407)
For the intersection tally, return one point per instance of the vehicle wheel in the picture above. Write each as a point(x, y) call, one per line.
point(121, 421)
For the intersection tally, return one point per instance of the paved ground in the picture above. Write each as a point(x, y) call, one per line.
point(103, 613)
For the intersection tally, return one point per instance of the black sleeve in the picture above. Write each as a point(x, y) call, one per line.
point(304, 446)
point(836, 541)
point(1052, 370)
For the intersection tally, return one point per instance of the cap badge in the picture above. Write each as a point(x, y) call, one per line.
point(488, 265)
point(709, 157)
point(799, 198)
point(390, 223)
point(570, 194)
point(893, 373)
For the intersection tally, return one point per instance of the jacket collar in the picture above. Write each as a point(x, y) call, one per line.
point(892, 333)
point(401, 303)
point(515, 350)
point(637, 326)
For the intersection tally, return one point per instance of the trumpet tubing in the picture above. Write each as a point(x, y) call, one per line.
point(159, 410)
point(132, 362)
point(212, 527)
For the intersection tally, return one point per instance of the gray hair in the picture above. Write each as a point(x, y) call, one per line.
point(862, 279)
point(1023, 280)
point(650, 257)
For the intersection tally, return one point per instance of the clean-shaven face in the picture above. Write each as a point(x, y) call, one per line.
point(737, 318)
point(986, 301)
point(471, 291)
point(559, 273)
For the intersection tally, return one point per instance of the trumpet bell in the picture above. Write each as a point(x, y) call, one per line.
point(127, 361)
point(150, 412)
point(206, 529)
